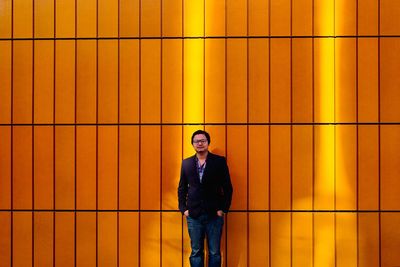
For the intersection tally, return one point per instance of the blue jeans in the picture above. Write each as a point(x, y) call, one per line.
point(210, 226)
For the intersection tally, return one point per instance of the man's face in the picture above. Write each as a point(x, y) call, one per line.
point(200, 143)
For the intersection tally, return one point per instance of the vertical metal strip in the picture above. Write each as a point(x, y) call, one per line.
point(97, 132)
point(357, 144)
point(54, 128)
point(226, 118)
point(33, 132)
point(247, 133)
point(269, 132)
point(140, 130)
point(118, 127)
point(313, 134)
point(76, 136)
point(379, 132)
point(291, 132)
point(161, 126)
point(335, 130)
point(183, 115)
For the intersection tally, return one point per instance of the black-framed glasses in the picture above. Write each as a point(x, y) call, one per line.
point(203, 141)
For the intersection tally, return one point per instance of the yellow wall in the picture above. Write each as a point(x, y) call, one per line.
point(98, 100)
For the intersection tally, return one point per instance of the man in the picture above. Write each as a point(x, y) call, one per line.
point(204, 194)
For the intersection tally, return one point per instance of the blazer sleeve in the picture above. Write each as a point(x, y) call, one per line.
point(182, 191)
point(226, 187)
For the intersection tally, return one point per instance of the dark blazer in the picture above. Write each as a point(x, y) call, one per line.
point(213, 194)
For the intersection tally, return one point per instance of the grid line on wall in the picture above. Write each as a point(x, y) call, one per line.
point(203, 37)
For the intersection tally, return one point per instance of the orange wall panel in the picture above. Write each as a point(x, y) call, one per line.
point(65, 18)
point(368, 167)
point(390, 238)
point(237, 224)
point(258, 80)
point(368, 239)
point(86, 154)
point(236, 94)
point(43, 169)
point(150, 167)
point(367, 76)
point(107, 239)
point(389, 12)
point(22, 167)
point(280, 96)
point(86, 232)
point(172, 18)
point(214, 78)
point(280, 236)
point(64, 98)
point(22, 18)
point(43, 238)
point(324, 17)
point(150, 18)
point(43, 86)
point(5, 167)
point(5, 19)
point(280, 18)
point(280, 172)
point(236, 18)
point(5, 238)
point(215, 16)
point(368, 17)
point(171, 95)
point(302, 239)
point(108, 18)
point(346, 167)
point(86, 18)
point(193, 18)
point(389, 79)
point(5, 81)
point(390, 167)
point(258, 239)
point(171, 240)
point(258, 167)
point(22, 239)
point(129, 159)
point(302, 17)
point(107, 167)
point(107, 78)
point(64, 167)
point(237, 161)
point(218, 133)
point(150, 89)
point(302, 80)
point(86, 81)
point(345, 80)
point(129, 81)
point(150, 239)
point(129, 18)
point(171, 165)
point(44, 18)
point(128, 239)
point(64, 238)
point(346, 239)
point(346, 17)
point(302, 167)
point(22, 81)
point(258, 21)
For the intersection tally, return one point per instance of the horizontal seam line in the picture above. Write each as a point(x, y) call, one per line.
point(198, 37)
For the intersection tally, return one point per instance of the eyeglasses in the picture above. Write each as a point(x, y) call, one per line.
point(200, 141)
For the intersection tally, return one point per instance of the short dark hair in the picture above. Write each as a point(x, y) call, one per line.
point(201, 132)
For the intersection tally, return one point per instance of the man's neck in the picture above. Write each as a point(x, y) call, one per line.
point(202, 155)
